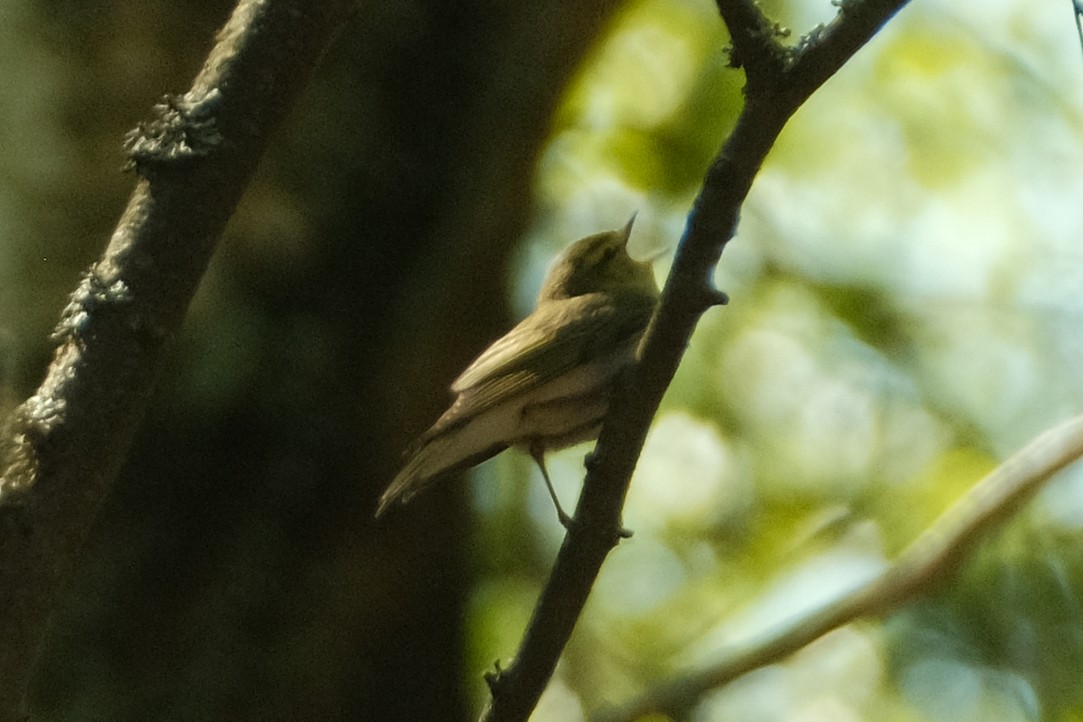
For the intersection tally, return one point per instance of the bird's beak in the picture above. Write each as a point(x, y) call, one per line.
point(627, 232)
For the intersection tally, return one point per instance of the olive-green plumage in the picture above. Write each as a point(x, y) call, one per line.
point(546, 384)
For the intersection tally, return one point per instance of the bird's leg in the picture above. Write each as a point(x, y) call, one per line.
point(537, 452)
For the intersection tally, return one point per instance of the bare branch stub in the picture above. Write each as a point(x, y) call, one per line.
point(181, 128)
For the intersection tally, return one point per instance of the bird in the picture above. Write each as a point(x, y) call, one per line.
point(546, 384)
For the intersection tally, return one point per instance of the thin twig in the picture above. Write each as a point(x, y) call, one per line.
point(934, 556)
point(688, 293)
point(1078, 6)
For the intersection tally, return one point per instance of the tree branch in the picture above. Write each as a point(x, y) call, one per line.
point(820, 53)
point(754, 41)
point(771, 98)
point(933, 557)
point(63, 446)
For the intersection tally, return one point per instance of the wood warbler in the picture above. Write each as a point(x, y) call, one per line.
point(546, 384)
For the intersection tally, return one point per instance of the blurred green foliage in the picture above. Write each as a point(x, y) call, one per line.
point(904, 314)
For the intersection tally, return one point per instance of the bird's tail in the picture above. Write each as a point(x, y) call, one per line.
point(428, 465)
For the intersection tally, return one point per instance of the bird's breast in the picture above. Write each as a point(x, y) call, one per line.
point(570, 408)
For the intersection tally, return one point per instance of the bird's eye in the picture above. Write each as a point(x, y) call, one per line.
point(609, 254)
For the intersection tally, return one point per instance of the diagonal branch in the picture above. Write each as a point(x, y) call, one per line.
point(62, 447)
point(770, 100)
point(820, 53)
point(932, 557)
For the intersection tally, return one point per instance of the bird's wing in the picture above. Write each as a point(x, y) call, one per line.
point(558, 337)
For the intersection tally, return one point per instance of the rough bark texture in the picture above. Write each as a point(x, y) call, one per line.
point(67, 440)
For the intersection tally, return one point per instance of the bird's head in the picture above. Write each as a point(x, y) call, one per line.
point(599, 264)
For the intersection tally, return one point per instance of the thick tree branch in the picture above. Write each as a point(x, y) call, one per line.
point(931, 558)
point(63, 446)
point(771, 98)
